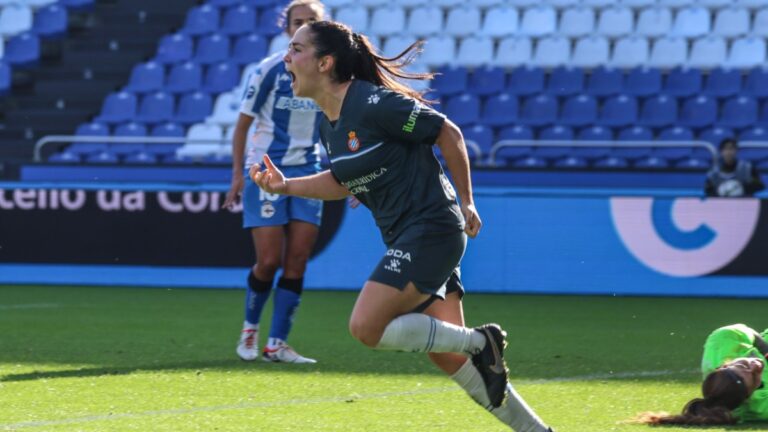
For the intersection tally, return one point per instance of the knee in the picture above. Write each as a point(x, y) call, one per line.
point(296, 263)
point(267, 266)
point(364, 332)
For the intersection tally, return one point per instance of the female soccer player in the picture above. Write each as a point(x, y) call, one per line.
point(379, 134)
point(284, 229)
point(734, 373)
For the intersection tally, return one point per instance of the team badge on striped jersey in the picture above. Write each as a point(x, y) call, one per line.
point(353, 143)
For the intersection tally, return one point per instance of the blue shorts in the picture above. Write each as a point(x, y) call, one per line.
point(262, 209)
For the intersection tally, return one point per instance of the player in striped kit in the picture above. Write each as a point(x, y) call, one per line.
point(284, 229)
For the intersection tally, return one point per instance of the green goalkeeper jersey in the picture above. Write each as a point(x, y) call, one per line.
point(729, 343)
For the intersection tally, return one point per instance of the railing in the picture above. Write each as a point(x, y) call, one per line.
point(607, 144)
point(62, 139)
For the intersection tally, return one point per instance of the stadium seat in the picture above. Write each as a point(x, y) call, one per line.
point(439, 50)
point(538, 21)
point(760, 23)
point(425, 21)
point(34, 4)
point(591, 52)
point(708, 52)
point(652, 162)
point(165, 130)
point(763, 120)
point(571, 162)
point(223, 3)
point(146, 77)
point(499, 110)
point(611, 162)
point(404, 3)
point(530, 162)
point(578, 111)
point(757, 133)
point(15, 19)
point(514, 51)
point(184, 78)
point(565, 81)
point(174, 48)
point(540, 110)
point(698, 112)
point(64, 157)
point(487, 81)
point(683, 82)
point(577, 22)
point(463, 21)
point(128, 130)
point(268, 22)
point(221, 77)
point(552, 51)
point(194, 107)
point(207, 140)
point(554, 133)
point(738, 112)
point(395, 45)
point(451, 80)
point(526, 80)
point(693, 164)
point(355, 17)
point(201, 20)
point(632, 134)
point(658, 111)
point(615, 21)
point(104, 157)
point(722, 82)
point(597, 4)
point(593, 133)
point(635, 133)
point(89, 130)
point(674, 134)
point(753, 4)
point(387, 20)
point(731, 22)
point(82, 5)
point(629, 52)
point(714, 4)
point(118, 108)
point(523, 3)
point(475, 51)
point(692, 21)
point(250, 48)
point(278, 43)
point(155, 108)
point(604, 81)
point(212, 49)
point(239, 20)
point(140, 158)
point(22, 50)
point(500, 21)
point(643, 81)
point(715, 134)
point(637, 4)
point(747, 52)
point(668, 52)
point(2, 48)
point(485, 4)
point(5, 78)
point(482, 136)
point(370, 4)
point(51, 21)
point(464, 110)
point(654, 22)
point(618, 111)
point(757, 83)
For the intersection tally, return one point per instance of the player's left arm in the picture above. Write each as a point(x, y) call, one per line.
point(454, 150)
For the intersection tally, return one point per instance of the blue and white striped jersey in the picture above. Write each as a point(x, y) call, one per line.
point(286, 126)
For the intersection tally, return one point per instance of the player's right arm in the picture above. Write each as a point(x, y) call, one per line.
point(322, 186)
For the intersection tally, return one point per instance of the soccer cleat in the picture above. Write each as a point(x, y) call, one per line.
point(490, 363)
point(283, 353)
point(247, 348)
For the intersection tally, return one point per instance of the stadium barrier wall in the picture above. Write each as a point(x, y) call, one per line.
point(546, 240)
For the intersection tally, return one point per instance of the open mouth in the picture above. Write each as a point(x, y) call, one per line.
point(293, 77)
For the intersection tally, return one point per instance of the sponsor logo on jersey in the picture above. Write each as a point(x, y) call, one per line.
point(353, 143)
point(411, 123)
point(251, 92)
point(393, 266)
point(296, 104)
point(373, 99)
point(359, 184)
point(397, 253)
point(267, 210)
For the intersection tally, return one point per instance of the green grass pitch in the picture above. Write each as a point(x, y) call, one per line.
point(115, 359)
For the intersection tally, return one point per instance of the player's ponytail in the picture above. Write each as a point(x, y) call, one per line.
point(723, 392)
point(355, 57)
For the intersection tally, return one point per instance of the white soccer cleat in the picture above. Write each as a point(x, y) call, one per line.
point(248, 347)
point(283, 353)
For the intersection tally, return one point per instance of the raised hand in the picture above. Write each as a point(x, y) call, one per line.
point(270, 179)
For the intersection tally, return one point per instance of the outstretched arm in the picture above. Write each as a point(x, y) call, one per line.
point(322, 185)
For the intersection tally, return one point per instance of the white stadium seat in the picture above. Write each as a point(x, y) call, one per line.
point(425, 21)
point(387, 20)
point(577, 21)
point(760, 24)
point(15, 19)
point(692, 22)
point(731, 22)
point(676, 3)
point(394, 45)
point(552, 51)
point(668, 52)
point(439, 50)
point(636, 4)
point(615, 22)
point(226, 109)
point(500, 21)
point(708, 52)
point(514, 51)
point(538, 21)
point(355, 17)
point(463, 21)
point(747, 52)
point(212, 133)
point(279, 43)
point(654, 22)
point(475, 51)
point(591, 51)
point(631, 51)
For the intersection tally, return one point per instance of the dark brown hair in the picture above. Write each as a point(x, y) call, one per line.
point(357, 58)
point(723, 392)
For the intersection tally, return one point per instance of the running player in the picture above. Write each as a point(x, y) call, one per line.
point(284, 229)
point(379, 135)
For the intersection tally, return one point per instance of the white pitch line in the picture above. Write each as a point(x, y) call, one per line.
point(251, 405)
point(29, 306)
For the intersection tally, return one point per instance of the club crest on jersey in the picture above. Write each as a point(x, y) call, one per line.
point(353, 143)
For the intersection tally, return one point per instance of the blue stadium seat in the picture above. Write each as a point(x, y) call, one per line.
point(239, 20)
point(51, 21)
point(514, 133)
point(757, 133)
point(146, 77)
point(221, 77)
point(5, 78)
point(596, 133)
point(693, 164)
point(526, 81)
point(565, 81)
point(22, 50)
point(499, 110)
point(643, 81)
point(554, 133)
point(540, 110)
point(676, 133)
point(530, 162)
point(683, 82)
point(611, 162)
point(715, 134)
point(201, 20)
point(166, 130)
point(658, 111)
point(128, 130)
point(91, 130)
point(140, 158)
point(184, 78)
point(249, 49)
point(578, 111)
point(482, 136)
point(652, 162)
point(763, 120)
point(155, 108)
point(605, 81)
point(571, 162)
point(618, 111)
point(451, 80)
point(104, 157)
point(698, 112)
point(268, 18)
point(77, 4)
point(64, 157)
point(738, 112)
point(193, 108)
point(464, 110)
point(723, 82)
point(118, 107)
point(635, 133)
point(223, 3)
point(212, 49)
point(757, 83)
point(174, 48)
point(487, 81)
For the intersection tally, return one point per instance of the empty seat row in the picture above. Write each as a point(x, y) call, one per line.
point(213, 48)
point(554, 3)
point(49, 21)
point(207, 19)
point(155, 108)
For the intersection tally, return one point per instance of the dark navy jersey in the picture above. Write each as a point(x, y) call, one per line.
point(380, 148)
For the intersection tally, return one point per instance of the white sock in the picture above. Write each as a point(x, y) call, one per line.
point(249, 326)
point(513, 412)
point(416, 332)
point(273, 343)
